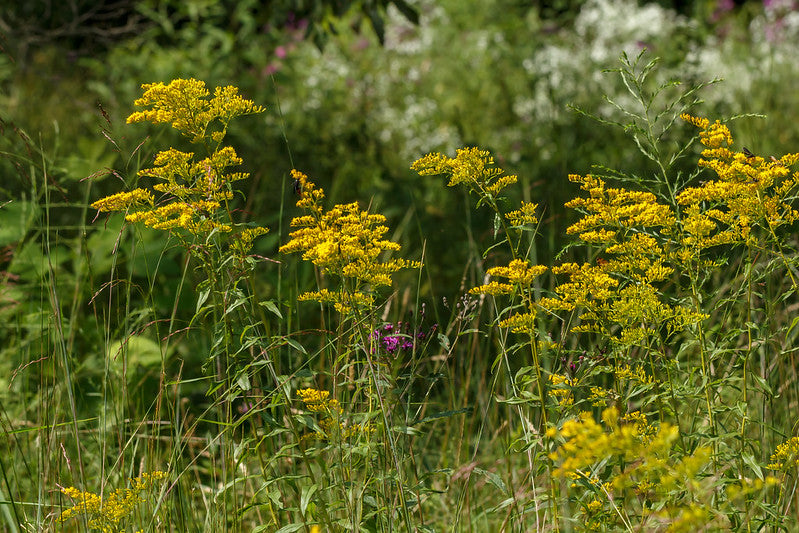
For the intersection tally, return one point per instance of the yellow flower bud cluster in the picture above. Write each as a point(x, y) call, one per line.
point(109, 513)
point(472, 167)
point(344, 241)
point(331, 426)
point(194, 192)
point(750, 191)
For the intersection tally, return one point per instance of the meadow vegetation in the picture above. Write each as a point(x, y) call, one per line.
point(203, 334)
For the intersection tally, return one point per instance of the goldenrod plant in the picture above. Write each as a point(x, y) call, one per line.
point(632, 332)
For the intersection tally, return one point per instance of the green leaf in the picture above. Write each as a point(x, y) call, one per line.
point(764, 386)
point(291, 528)
point(305, 497)
point(493, 479)
point(750, 461)
point(201, 299)
point(296, 345)
point(445, 414)
point(243, 381)
point(271, 307)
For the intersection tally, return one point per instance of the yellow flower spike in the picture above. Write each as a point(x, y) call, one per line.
point(195, 192)
point(594, 506)
point(749, 191)
point(315, 400)
point(524, 216)
point(123, 201)
point(346, 242)
point(521, 323)
point(185, 104)
point(494, 288)
point(699, 122)
point(786, 455)
point(471, 167)
point(109, 513)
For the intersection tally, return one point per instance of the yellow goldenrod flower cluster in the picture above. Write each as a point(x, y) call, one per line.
point(187, 106)
point(599, 396)
point(194, 191)
point(616, 296)
point(586, 442)
point(344, 241)
point(122, 201)
point(626, 456)
point(316, 400)
point(243, 242)
point(194, 217)
point(475, 169)
point(608, 211)
point(520, 275)
point(588, 284)
point(562, 389)
point(749, 191)
point(521, 322)
point(786, 456)
point(524, 216)
point(106, 514)
point(331, 425)
point(636, 375)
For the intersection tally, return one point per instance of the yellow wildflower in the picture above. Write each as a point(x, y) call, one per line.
point(122, 201)
point(786, 456)
point(494, 288)
point(471, 166)
point(196, 192)
point(107, 514)
point(344, 241)
point(186, 105)
point(523, 216)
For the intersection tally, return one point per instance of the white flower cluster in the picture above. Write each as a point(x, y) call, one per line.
point(438, 85)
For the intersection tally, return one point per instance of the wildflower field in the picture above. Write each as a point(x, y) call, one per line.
point(300, 267)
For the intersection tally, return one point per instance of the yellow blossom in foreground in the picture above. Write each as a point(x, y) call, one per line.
point(195, 192)
point(107, 513)
point(187, 106)
point(624, 457)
